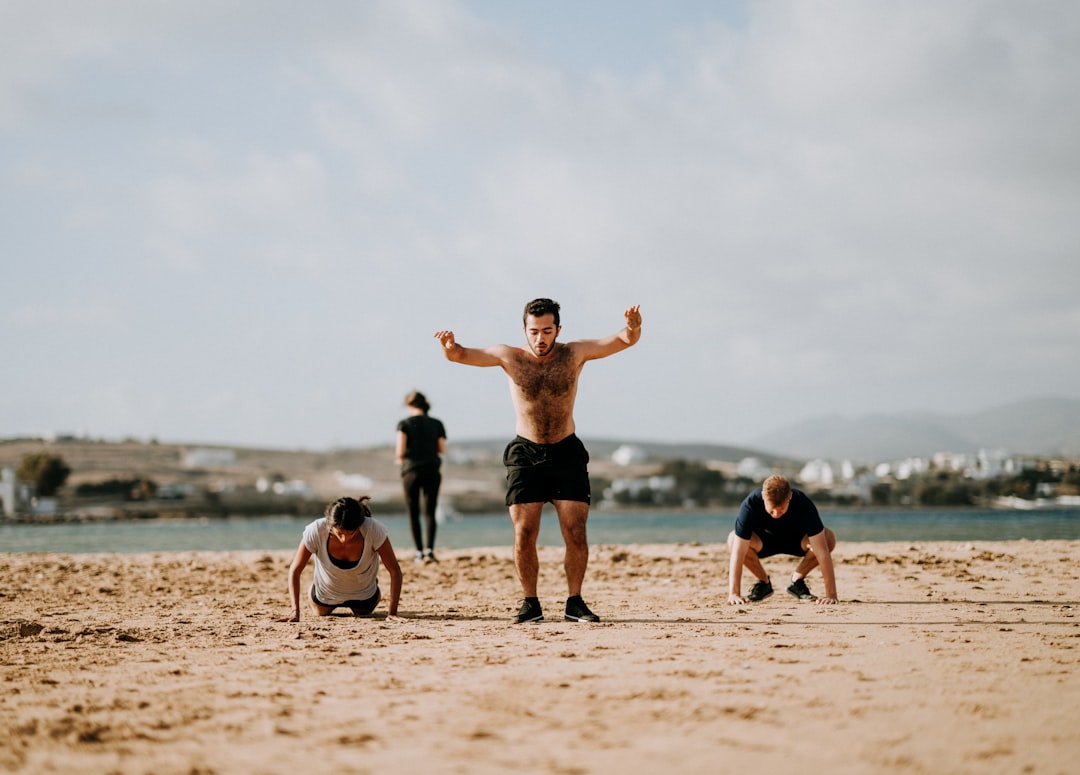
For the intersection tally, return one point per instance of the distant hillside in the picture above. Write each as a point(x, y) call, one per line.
point(1046, 427)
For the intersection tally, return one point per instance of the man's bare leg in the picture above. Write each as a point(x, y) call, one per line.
point(572, 518)
point(526, 519)
point(806, 564)
point(810, 560)
point(753, 564)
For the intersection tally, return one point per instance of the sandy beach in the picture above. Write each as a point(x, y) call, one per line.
point(941, 658)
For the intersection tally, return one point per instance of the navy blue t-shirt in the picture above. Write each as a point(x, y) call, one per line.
point(801, 519)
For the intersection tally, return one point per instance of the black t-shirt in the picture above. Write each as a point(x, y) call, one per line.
point(422, 434)
point(801, 519)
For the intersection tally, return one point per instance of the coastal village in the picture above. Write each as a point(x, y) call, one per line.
point(108, 480)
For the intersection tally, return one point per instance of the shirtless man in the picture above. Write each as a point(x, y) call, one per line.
point(547, 461)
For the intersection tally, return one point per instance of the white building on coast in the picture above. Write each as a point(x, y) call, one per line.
point(15, 497)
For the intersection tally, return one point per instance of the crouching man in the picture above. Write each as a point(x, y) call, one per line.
point(780, 520)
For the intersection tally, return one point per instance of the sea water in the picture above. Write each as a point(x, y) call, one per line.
point(487, 530)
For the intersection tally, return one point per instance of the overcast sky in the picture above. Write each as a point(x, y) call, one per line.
point(241, 221)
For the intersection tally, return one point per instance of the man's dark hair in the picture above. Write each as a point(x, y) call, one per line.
point(540, 307)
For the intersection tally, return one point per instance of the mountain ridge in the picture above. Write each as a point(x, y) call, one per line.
point(1043, 427)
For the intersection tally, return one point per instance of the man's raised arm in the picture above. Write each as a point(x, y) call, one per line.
point(627, 337)
point(470, 356)
point(632, 332)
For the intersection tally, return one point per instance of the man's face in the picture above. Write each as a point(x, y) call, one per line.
point(777, 510)
point(540, 333)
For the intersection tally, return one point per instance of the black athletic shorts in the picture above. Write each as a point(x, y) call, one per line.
point(540, 473)
point(786, 546)
point(358, 607)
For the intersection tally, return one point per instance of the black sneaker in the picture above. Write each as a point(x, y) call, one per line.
point(429, 556)
point(759, 592)
point(577, 611)
point(529, 611)
point(801, 591)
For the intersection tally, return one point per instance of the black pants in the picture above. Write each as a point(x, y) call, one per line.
point(422, 482)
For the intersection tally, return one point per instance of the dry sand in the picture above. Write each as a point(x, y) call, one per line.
point(941, 658)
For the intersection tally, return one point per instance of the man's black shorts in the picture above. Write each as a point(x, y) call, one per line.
point(539, 473)
point(771, 546)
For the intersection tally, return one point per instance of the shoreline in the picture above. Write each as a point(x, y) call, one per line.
point(942, 656)
point(120, 512)
point(645, 527)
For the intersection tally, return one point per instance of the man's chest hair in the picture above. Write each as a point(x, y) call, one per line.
point(552, 375)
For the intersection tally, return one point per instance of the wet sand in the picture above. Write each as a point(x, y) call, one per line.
point(941, 658)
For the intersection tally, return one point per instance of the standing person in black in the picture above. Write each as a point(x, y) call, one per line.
point(421, 441)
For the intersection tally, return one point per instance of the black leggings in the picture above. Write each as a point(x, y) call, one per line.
point(422, 481)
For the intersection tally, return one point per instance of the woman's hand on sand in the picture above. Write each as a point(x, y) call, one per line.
point(827, 601)
point(294, 617)
point(395, 618)
point(735, 600)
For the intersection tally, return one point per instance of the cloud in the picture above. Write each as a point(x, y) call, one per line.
point(830, 207)
point(279, 203)
point(61, 317)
